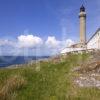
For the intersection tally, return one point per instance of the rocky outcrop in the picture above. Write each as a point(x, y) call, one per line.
point(89, 72)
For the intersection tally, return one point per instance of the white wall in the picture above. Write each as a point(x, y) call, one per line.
point(94, 43)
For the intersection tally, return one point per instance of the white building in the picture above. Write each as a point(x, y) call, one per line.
point(72, 50)
point(92, 44)
point(94, 41)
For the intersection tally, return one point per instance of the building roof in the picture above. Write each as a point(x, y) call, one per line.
point(94, 34)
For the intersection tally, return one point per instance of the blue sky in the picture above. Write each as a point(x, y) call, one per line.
point(53, 21)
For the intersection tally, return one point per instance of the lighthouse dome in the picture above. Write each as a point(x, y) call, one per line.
point(82, 9)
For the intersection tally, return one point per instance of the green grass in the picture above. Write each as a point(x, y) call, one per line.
point(50, 82)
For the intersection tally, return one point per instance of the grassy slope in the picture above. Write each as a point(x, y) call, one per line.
point(52, 82)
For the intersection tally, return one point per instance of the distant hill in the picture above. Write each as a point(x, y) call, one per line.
point(12, 60)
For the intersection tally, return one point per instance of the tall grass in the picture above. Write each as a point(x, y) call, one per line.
point(53, 81)
point(10, 86)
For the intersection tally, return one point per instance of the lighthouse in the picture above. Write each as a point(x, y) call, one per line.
point(82, 18)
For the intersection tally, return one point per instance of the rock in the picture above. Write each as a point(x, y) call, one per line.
point(87, 81)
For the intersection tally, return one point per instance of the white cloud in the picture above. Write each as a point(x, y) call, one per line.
point(66, 43)
point(6, 42)
point(3, 42)
point(29, 41)
point(52, 42)
point(25, 44)
point(69, 42)
point(55, 46)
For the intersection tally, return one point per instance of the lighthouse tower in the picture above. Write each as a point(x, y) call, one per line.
point(82, 17)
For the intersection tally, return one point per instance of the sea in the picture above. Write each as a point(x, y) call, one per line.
point(6, 61)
